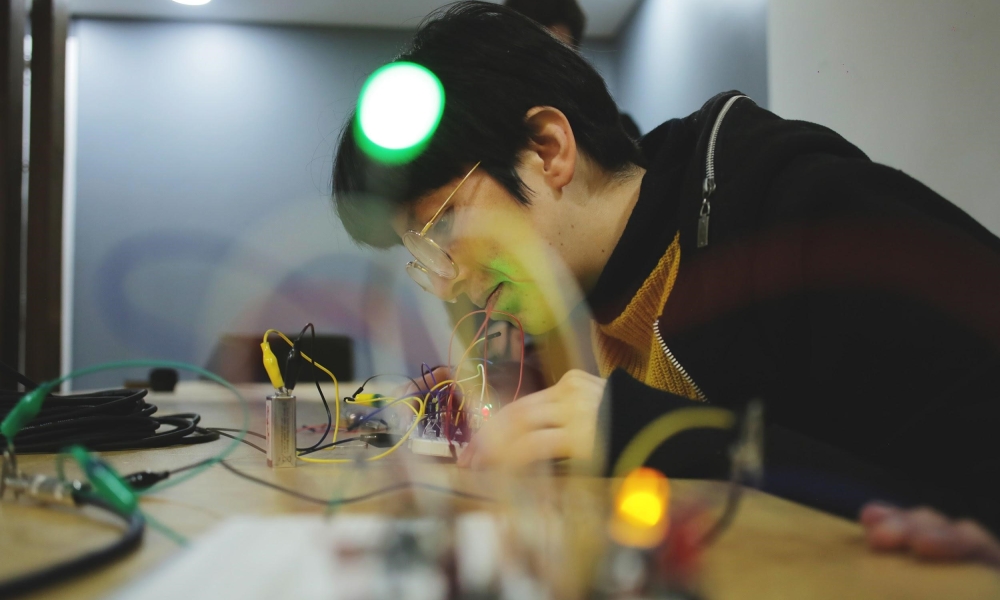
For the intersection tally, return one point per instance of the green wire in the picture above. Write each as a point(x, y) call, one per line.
point(167, 532)
point(181, 366)
point(344, 482)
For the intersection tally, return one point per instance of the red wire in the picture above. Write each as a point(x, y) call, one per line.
point(488, 313)
point(455, 375)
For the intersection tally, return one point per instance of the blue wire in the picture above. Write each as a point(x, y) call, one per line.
point(367, 417)
point(425, 370)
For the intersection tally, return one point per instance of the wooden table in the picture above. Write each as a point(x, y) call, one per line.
point(775, 549)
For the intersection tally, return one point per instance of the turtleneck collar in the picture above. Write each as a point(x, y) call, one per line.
point(653, 224)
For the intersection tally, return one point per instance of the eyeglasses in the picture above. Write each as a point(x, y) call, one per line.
point(430, 260)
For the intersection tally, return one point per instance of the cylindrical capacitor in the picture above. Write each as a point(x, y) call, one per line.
point(280, 430)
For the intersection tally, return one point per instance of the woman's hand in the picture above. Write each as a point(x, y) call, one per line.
point(557, 422)
point(928, 535)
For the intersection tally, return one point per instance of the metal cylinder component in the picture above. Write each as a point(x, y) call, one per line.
point(43, 488)
point(280, 430)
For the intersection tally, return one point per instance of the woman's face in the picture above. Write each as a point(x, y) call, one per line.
point(502, 249)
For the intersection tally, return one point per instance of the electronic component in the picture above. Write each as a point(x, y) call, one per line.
point(280, 428)
point(106, 483)
point(41, 488)
point(640, 518)
point(271, 365)
point(445, 415)
point(448, 424)
point(106, 491)
point(278, 415)
point(351, 557)
point(436, 447)
point(379, 440)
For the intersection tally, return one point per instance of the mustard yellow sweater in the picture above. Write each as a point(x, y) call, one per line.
point(628, 342)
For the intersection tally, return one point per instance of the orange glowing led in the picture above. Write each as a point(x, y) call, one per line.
point(641, 509)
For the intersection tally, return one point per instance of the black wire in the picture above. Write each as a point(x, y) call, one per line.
point(733, 498)
point(329, 416)
point(248, 443)
point(354, 499)
point(21, 378)
point(221, 431)
point(185, 425)
point(365, 382)
point(752, 420)
point(74, 567)
point(371, 415)
point(191, 466)
point(234, 430)
point(161, 475)
point(330, 445)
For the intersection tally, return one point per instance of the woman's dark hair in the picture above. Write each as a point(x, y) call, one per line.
point(549, 13)
point(495, 65)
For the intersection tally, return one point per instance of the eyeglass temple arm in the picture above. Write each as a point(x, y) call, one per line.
point(430, 223)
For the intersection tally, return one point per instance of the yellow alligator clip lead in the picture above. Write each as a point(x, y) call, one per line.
point(271, 365)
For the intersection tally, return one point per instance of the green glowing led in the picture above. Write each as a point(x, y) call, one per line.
point(399, 110)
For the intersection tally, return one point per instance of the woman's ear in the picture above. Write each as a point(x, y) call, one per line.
point(552, 147)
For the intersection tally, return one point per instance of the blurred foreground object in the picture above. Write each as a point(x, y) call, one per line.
point(928, 535)
point(399, 109)
point(641, 517)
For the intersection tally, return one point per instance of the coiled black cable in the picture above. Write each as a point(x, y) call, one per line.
point(106, 420)
point(74, 567)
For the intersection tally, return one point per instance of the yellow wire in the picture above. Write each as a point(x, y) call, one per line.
point(390, 400)
point(336, 384)
point(479, 373)
point(402, 440)
point(482, 392)
point(461, 404)
point(663, 428)
point(416, 413)
point(350, 400)
point(413, 408)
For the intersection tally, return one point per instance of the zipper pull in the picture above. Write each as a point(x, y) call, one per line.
point(706, 212)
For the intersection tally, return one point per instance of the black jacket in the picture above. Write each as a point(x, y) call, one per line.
point(859, 305)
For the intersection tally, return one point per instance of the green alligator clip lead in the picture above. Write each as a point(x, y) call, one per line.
point(106, 482)
point(25, 410)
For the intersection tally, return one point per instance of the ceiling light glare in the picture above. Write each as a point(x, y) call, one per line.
point(399, 110)
point(192, 2)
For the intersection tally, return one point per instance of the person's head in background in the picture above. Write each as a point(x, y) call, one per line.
point(564, 18)
point(553, 161)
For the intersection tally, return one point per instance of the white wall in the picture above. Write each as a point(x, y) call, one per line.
point(204, 154)
point(676, 54)
point(914, 83)
point(605, 57)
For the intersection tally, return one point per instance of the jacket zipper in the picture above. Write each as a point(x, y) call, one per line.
point(708, 187)
point(676, 363)
point(704, 216)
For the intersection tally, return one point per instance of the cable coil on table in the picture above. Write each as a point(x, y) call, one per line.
point(106, 420)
